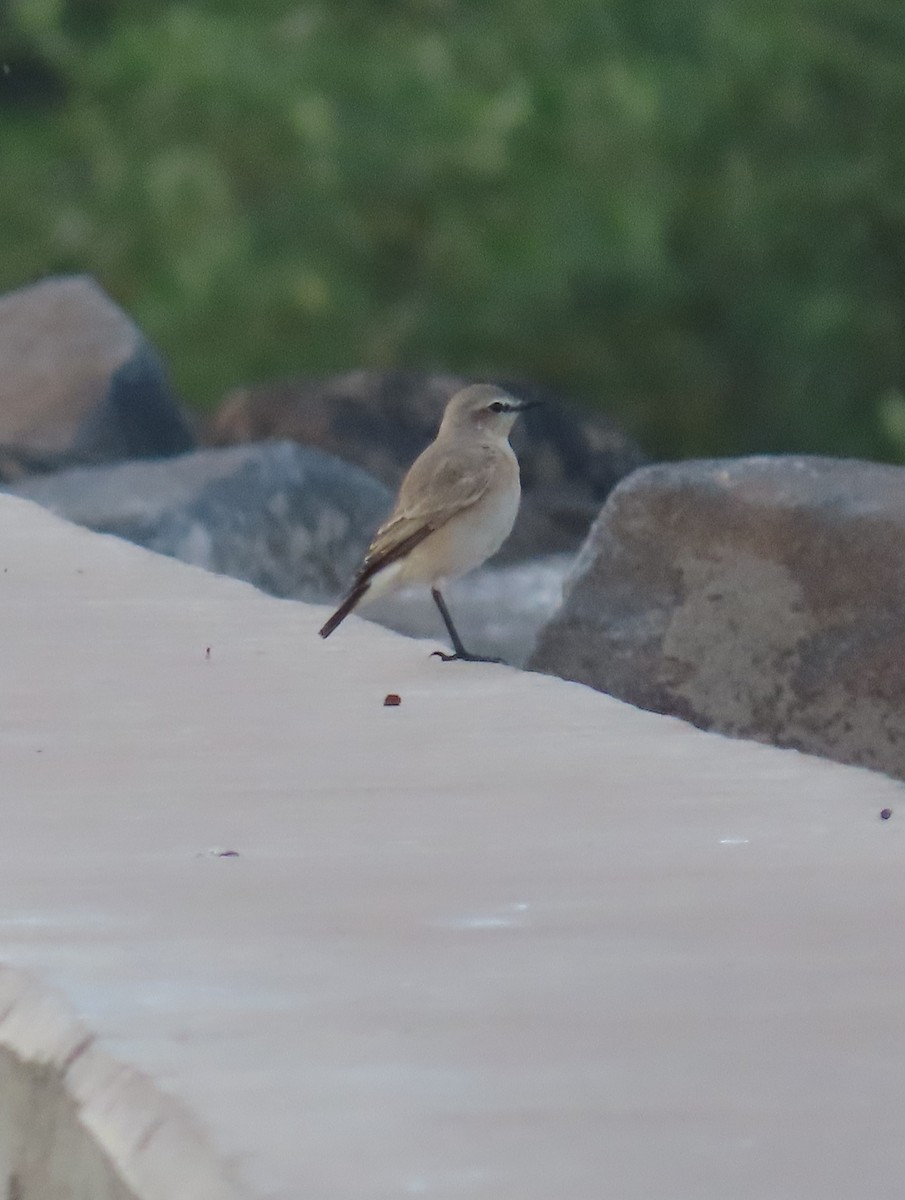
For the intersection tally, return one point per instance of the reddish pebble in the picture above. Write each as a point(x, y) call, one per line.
point(391, 700)
point(885, 814)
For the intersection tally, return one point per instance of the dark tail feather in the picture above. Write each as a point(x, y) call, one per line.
point(372, 564)
point(345, 608)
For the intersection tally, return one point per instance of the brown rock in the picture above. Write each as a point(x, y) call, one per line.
point(79, 383)
point(759, 597)
point(382, 420)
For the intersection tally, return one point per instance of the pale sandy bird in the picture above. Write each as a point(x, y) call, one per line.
point(455, 508)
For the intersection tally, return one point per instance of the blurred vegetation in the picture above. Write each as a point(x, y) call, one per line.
point(690, 213)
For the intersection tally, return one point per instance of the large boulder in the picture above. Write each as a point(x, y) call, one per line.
point(290, 520)
point(381, 421)
point(79, 383)
point(761, 597)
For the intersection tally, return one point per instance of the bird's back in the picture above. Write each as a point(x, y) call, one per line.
point(449, 475)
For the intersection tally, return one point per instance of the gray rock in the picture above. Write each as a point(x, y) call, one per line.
point(381, 421)
point(290, 520)
point(79, 383)
point(759, 597)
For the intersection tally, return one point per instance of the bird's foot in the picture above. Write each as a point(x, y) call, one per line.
point(462, 656)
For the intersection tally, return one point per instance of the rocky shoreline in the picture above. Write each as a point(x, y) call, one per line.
point(757, 597)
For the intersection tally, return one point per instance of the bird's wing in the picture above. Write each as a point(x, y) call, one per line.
point(438, 486)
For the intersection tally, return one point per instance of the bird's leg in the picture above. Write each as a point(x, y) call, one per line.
point(461, 654)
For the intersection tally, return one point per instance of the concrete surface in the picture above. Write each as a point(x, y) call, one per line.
point(74, 1123)
point(511, 940)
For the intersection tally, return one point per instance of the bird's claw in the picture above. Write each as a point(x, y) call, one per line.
point(463, 657)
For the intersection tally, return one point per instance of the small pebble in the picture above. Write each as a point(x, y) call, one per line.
point(391, 700)
point(207, 651)
point(885, 814)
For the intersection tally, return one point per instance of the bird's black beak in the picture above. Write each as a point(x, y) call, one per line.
point(523, 405)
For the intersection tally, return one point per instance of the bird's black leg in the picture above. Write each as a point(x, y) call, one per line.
point(461, 654)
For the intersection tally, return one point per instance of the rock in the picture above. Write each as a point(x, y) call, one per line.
point(79, 383)
point(760, 597)
point(381, 421)
point(288, 519)
point(497, 610)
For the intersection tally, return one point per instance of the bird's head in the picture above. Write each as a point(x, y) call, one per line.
point(485, 408)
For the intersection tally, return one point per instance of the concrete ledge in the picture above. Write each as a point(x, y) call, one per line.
point(510, 940)
point(77, 1125)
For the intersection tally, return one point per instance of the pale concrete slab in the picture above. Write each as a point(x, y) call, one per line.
point(510, 940)
point(77, 1125)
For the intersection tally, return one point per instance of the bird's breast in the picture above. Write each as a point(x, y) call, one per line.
point(470, 537)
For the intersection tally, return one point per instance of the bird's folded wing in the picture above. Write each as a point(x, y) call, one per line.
point(435, 490)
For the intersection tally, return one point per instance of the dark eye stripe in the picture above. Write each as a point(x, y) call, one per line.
point(500, 406)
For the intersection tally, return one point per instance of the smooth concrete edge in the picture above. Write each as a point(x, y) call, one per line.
point(127, 1141)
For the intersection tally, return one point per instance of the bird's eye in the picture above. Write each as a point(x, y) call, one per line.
point(498, 406)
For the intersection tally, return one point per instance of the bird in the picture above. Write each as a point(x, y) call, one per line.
point(455, 508)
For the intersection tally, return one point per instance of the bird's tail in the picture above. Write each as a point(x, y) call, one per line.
point(346, 607)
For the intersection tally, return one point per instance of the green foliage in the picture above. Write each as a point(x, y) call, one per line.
point(689, 212)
